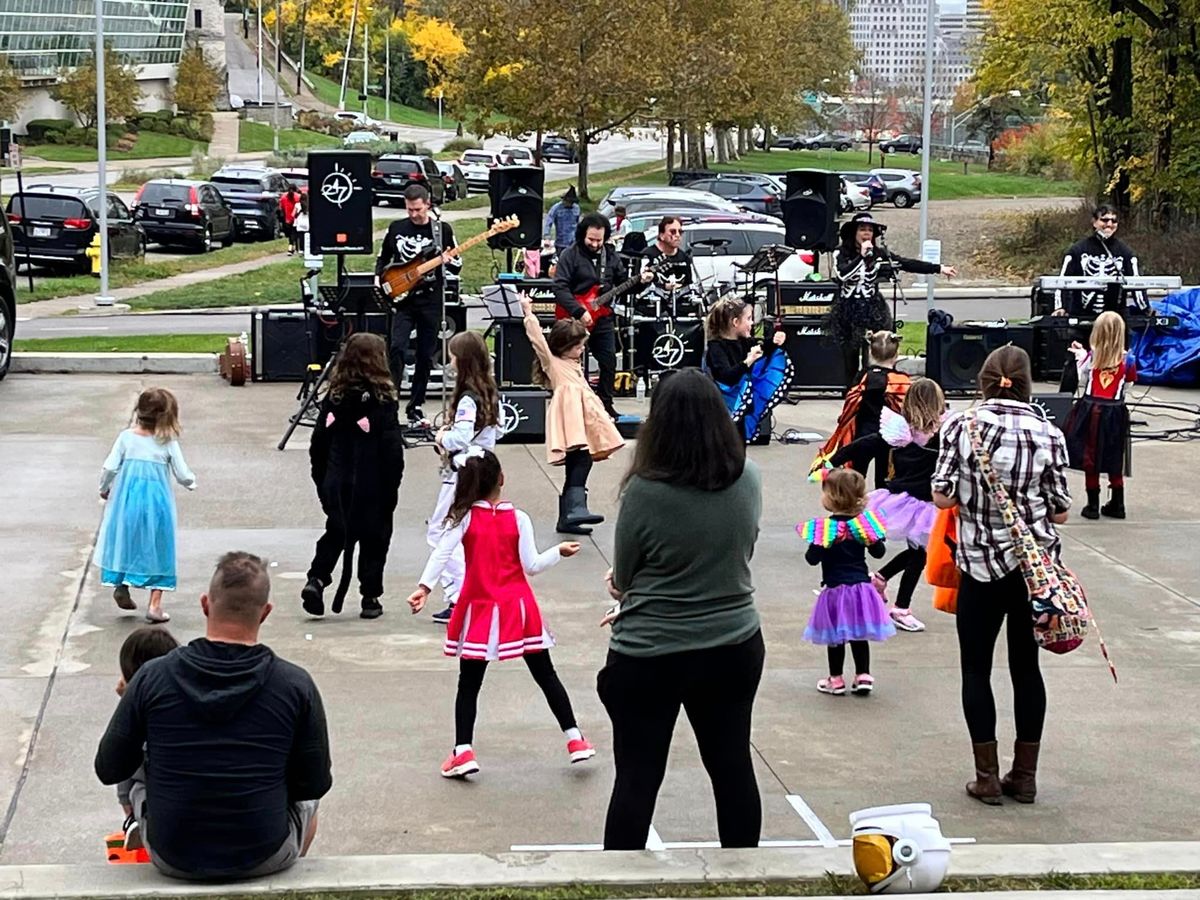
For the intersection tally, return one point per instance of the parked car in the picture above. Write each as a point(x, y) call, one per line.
point(358, 138)
point(972, 146)
point(903, 186)
point(854, 196)
point(298, 177)
point(555, 146)
point(825, 140)
point(872, 183)
point(253, 192)
point(477, 166)
point(393, 172)
point(455, 179)
point(517, 156)
point(904, 143)
point(764, 197)
point(57, 225)
point(175, 211)
point(358, 118)
point(787, 142)
point(8, 295)
point(638, 200)
point(716, 248)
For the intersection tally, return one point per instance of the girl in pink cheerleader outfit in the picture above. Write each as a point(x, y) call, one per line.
point(496, 616)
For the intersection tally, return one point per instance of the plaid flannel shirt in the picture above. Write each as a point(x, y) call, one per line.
point(1030, 456)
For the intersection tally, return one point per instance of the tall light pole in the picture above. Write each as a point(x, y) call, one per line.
point(259, 72)
point(102, 156)
point(927, 134)
point(278, 77)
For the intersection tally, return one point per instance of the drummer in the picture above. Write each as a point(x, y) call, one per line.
point(675, 272)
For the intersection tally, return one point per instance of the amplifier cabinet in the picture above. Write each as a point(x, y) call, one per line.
point(816, 358)
point(953, 357)
point(801, 298)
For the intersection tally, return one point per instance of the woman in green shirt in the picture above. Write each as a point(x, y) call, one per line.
point(685, 631)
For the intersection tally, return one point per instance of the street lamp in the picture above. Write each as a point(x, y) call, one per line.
point(927, 135)
point(103, 299)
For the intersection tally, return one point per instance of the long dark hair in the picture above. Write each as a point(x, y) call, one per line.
point(478, 479)
point(689, 438)
point(564, 334)
point(474, 366)
point(363, 363)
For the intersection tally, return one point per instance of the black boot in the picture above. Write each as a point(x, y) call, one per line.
point(569, 510)
point(314, 603)
point(371, 608)
point(580, 512)
point(1115, 507)
point(1092, 510)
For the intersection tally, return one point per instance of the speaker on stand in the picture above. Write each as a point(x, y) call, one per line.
point(339, 202)
point(517, 191)
point(810, 209)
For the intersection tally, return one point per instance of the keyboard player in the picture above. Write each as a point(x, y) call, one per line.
point(1103, 256)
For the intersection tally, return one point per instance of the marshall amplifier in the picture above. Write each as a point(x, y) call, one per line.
point(816, 358)
point(523, 415)
point(541, 292)
point(801, 298)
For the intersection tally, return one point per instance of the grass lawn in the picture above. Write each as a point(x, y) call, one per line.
point(480, 263)
point(126, 343)
point(327, 90)
point(124, 273)
point(599, 184)
point(33, 170)
point(150, 145)
point(254, 137)
point(277, 282)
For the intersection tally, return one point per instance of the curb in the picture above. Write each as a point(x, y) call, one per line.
point(459, 872)
point(34, 363)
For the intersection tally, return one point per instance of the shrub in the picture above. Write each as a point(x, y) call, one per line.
point(1035, 150)
point(39, 130)
point(203, 165)
point(141, 176)
point(459, 144)
point(288, 159)
point(312, 120)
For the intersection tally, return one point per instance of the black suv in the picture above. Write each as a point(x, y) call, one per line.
point(253, 193)
point(8, 296)
point(56, 225)
point(904, 143)
point(193, 213)
point(555, 146)
point(393, 172)
point(825, 140)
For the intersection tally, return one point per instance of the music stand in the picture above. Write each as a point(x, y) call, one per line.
point(768, 260)
point(503, 301)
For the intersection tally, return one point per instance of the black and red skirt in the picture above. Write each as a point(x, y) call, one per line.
point(1097, 433)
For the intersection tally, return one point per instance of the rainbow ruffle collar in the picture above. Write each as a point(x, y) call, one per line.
point(867, 528)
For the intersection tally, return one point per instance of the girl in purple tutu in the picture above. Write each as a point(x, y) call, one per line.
point(910, 440)
point(849, 609)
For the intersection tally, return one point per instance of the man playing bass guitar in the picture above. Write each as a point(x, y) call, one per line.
point(588, 263)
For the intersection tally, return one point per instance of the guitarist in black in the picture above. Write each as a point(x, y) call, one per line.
point(406, 240)
point(589, 262)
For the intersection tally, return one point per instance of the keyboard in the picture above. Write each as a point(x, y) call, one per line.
point(1134, 321)
point(1088, 283)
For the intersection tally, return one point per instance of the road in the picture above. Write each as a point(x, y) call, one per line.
point(243, 64)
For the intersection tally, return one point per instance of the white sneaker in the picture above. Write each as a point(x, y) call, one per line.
point(905, 620)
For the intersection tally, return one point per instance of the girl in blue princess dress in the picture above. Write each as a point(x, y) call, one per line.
point(136, 547)
point(849, 609)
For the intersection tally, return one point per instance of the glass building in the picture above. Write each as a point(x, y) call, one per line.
point(40, 37)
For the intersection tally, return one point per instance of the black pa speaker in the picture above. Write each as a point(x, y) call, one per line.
point(1056, 406)
point(517, 191)
point(514, 355)
point(665, 346)
point(816, 358)
point(523, 415)
point(339, 202)
point(279, 344)
point(954, 357)
point(810, 209)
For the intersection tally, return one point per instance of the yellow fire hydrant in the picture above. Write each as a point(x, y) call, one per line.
point(93, 253)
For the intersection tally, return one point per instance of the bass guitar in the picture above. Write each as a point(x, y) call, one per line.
point(599, 305)
point(400, 278)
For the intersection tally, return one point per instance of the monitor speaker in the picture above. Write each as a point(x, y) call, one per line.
point(339, 202)
point(810, 209)
point(816, 359)
point(517, 191)
point(953, 357)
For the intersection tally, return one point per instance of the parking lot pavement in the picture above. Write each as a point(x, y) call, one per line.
point(1109, 750)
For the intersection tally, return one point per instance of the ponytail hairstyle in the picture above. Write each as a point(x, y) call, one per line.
point(1006, 375)
point(722, 315)
point(923, 406)
point(474, 366)
point(478, 478)
point(564, 334)
point(1108, 340)
point(884, 347)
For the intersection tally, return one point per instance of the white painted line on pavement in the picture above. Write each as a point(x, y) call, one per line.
point(824, 835)
point(536, 848)
point(80, 328)
point(653, 841)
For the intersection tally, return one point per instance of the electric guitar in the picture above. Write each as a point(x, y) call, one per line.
point(599, 305)
point(400, 278)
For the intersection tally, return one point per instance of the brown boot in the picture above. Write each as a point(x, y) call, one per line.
point(986, 786)
point(1021, 781)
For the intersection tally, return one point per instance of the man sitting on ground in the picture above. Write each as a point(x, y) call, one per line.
point(234, 741)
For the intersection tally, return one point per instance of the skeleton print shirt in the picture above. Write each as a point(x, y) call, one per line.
point(1096, 257)
point(405, 242)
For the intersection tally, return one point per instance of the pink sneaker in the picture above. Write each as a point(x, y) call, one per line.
point(580, 750)
point(460, 766)
point(863, 684)
point(880, 584)
point(905, 620)
point(834, 684)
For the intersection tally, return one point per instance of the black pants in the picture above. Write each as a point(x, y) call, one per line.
point(602, 347)
point(860, 650)
point(982, 607)
point(578, 465)
point(852, 358)
point(470, 680)
point(716, 689)
point(373, 546)
point(910, 561)
point(426, 315)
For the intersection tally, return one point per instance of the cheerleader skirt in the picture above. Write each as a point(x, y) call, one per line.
point(1097, 433)
point(849, 612)
point(136, 546)
point(751, 400)
point(908, 519)
point(492, 630)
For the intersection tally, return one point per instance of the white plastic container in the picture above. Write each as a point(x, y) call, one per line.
point(919, 853)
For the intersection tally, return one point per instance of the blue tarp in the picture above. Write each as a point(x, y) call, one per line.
point(1171, 356)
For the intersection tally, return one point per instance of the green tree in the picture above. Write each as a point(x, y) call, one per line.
point(76, 89)
point(11, 99)
point(197, 82)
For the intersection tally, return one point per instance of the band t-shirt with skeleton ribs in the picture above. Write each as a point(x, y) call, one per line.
point(676, 268)
point(1096, 257)
point(405, 242)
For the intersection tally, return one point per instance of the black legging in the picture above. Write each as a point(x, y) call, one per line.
point(860, 650)
point(852, 359)
point(716, 689)
point(578, 465)
point(910, 561)
point(982, 607)
point(470, 680)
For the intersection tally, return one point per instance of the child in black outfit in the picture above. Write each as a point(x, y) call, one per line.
point(752, 376)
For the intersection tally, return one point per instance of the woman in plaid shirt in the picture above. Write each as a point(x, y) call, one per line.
point(1030, 456)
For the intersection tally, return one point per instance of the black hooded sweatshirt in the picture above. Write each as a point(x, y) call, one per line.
point(230, 735)
point(579, 270)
